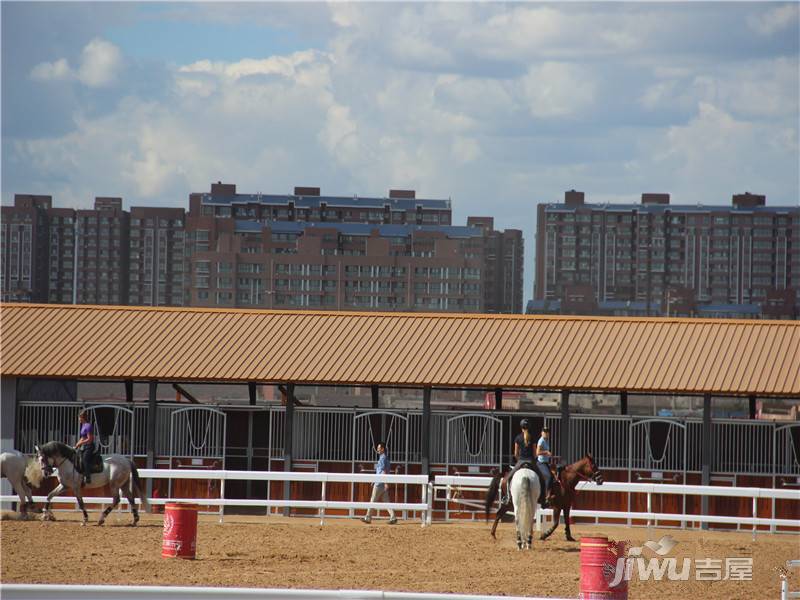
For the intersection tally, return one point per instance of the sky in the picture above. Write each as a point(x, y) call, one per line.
point(497, 106)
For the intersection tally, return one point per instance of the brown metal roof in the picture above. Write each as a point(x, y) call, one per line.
point(402, 349)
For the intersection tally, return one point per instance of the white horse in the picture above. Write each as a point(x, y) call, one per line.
point(22, 472)
point(525, 494)
point(118, 472)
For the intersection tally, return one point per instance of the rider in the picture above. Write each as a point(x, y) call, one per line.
point(523, 454)
point(543, 455)
point(85, 446)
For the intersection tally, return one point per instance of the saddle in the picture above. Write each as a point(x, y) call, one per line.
point(95, 467)
point(504, 484)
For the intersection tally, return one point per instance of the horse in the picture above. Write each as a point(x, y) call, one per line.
point(525, 490)
point(22, 472)
point(563, 493)
point(118, 471)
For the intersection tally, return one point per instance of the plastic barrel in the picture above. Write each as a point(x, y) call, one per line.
point(180, 531)
point(598, 564)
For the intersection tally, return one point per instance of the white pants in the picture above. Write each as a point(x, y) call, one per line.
point(379, 492)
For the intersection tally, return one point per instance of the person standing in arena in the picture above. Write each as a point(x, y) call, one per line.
point(379, 489)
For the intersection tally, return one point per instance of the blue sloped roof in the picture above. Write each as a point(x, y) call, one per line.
point(331, 201)
point(660, 208)
point(749, 309)
point(364, 229)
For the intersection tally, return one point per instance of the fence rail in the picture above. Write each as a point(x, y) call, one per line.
point(447, 482)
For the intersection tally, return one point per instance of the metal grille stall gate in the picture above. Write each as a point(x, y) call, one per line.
point(372, 427)
point(199, 432)
point(473, 440)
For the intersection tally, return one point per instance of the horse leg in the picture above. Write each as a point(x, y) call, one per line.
point(556, 518)
point(566, 524)
point(132, 501)
point(79, 498)
point(108, 509)
point(500, 512)
point(47, 514)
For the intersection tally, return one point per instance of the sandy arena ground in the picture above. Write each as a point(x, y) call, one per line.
point(276, 552)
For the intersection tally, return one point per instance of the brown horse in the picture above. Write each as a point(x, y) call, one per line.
point(563, 494)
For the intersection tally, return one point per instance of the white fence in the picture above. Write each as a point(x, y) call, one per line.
point(424, 507)
point(447, 483)
point(147, 592)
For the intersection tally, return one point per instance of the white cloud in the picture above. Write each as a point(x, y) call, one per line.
point(775, 19)
point(52, 71)
point(558, 90)
point(101, 62)
point(286, 66)
point(768, 88)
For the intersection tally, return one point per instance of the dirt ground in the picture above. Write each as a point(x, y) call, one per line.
point(276, 552)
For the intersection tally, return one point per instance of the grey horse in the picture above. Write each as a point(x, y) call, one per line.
point(22, 472)
point(118, 471)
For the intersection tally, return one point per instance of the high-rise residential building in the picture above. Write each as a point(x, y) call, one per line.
point(302, 250)
point(23, 246)
point(668, 259)
point(308, 250)
point(101, 241)
point(156, 259)
point(503, 255)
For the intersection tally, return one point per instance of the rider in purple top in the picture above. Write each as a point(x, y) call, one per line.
point(85, 446)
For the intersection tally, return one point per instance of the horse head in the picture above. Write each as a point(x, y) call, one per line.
point(591, 470)
point(52, 455)
point(45, 461)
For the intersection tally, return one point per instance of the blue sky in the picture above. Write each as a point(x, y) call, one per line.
point(497, 106)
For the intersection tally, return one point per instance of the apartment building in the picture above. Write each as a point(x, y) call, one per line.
point(668, 258)
point(156, 259)
point(504, 253)
point(24, 246)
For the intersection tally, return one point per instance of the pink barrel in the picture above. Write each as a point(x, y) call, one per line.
point(598, 564)
point(180, 531)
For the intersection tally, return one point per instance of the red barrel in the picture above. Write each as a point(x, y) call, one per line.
point(598, 566)
point(180, 531)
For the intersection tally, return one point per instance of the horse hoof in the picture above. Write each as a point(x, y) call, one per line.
point(100, 523)
point(571, 539)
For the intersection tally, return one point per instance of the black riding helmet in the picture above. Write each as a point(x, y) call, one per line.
point(524, 423)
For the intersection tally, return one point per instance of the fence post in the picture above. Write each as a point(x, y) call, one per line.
point(426, 432)
point(152, 419)
point(287, 444)
point(222, 497)
point(706, 463)
point(755, 512)
point(322, 508)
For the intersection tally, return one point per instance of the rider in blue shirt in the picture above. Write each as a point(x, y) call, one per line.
point(543, 455)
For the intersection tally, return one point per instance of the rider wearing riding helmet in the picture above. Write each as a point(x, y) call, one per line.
point(85, 446)
point(543, 455)
point(523, 453)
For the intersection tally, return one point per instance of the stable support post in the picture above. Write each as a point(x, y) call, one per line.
point(251, 392)
point(563, 429)
point(152, 420)
point(287, 444)
point(623, 403)
point(498, 399)
point(375, 396)
point(129, 390)
point(426, 432)
point(706, 456)
point(751, 401)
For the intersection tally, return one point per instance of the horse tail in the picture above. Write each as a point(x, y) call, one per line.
point(137, 486)
point(525, 507)
point(491, 494)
